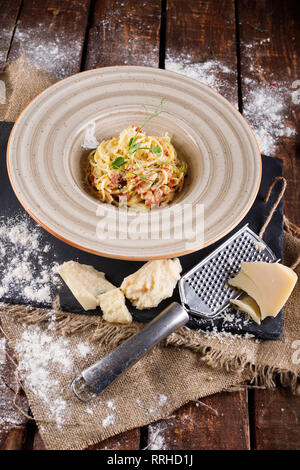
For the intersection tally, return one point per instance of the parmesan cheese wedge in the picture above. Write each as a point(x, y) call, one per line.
point(112, 304)
point(153, 282)
point(269, 284)
point(85, 283)
point(247, 305)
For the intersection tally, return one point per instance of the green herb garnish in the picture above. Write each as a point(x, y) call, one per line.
point(117, 163)
point(257, 28)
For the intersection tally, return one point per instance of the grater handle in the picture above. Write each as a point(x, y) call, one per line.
point(98, 376)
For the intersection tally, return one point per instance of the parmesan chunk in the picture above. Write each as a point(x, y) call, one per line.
point(85, 283)
point(153, 282)
point(269, 284)
point(247, 305)
point(112, 304)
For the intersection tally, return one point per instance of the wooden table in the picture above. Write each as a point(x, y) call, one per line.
point(247, 50)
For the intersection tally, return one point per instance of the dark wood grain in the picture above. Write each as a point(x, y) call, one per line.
point(223, 424)
point(201, 42)
point(8, 18)
point(276, 420)
point(51, 35)
point(269, 37)
point(38, 443)
point(12, 422)
point(124, 33)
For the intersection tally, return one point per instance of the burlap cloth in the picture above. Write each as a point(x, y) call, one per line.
point(188, 366)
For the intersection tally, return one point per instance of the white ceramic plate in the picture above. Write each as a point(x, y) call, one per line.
point(44, 158)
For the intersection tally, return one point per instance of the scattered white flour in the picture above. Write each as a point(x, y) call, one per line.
point(89, 411)
point(162, 399)
point(156, 438)
point(110, 404)
point(26, 271)
point(89, 140)
point(159, 403)
point(265, 109)
point(110, 419)
point(83, 349)
point(55, 55)
point(211, 72)
point(265, 104)
point(38, 350)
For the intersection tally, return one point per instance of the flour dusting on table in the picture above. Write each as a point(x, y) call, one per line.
point(265, 104)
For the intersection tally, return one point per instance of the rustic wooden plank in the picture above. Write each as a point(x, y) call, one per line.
point(222, 424)
point(51, 35)
point(15, 439)
point(12, 422)
point(38, 443)
point(276, 420)
point(8, 18)
point(269, 42)
point(201, 43)
point(124, 33)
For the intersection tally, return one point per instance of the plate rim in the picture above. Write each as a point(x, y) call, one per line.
point(135, 258)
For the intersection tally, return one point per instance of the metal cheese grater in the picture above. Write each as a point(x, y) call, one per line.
point(204, 292)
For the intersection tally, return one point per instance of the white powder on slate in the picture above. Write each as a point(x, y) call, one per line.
point(38, 350)
point(24, 263)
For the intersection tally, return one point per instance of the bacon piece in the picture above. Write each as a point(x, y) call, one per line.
point(153, 197)
point(117, 181)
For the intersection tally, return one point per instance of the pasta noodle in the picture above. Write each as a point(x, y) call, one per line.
point(143, 169)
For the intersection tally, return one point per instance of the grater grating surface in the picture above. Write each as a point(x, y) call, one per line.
point(204, 290)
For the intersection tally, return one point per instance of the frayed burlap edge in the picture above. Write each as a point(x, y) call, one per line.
point(112, 335)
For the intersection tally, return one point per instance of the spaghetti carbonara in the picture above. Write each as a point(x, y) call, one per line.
point(142, 169)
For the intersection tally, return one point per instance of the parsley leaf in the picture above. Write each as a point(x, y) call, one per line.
point(117, 163)
point(133, 147)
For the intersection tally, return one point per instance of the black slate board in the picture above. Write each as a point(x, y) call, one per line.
point(116, 270)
